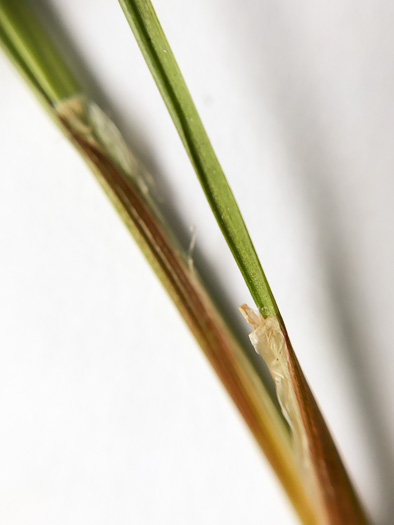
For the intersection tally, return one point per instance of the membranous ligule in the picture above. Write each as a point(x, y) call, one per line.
point(269, 341)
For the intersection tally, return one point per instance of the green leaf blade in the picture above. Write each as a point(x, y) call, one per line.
point(164, 68)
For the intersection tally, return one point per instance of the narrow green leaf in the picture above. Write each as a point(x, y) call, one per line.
point(29, 47)
point(164, 68)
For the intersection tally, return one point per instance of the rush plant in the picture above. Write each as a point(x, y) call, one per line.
point(300, 450)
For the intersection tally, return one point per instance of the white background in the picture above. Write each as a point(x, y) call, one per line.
point(109, 413)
